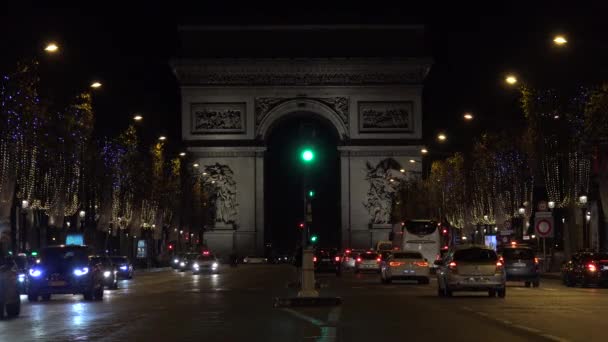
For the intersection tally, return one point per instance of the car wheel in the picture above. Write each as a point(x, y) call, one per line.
point(536, 283)
point(32, 297)
point(502, 292)
point(46, 297)
point(492, 293)
point(13, 310)
point(527, 284)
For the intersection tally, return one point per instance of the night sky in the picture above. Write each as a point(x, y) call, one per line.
point(129, 49)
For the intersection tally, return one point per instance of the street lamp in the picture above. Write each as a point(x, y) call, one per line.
point(162, 138)
point(442, 137)
point(522, 211)
point(582, 200)
point(560, 40)
point(511, 79)
point(424, 151)
point(402, 170)
point(196, 165)
point(551, 204)
point(51, 48)
point(412, 161)
point(138, 117)
point(82, 214)
point(96, 85)
point(468, 116)
point(182, 154)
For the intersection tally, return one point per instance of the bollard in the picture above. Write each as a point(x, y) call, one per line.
point(308, 275)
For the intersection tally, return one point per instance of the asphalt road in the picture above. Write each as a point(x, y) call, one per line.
point(236, 305)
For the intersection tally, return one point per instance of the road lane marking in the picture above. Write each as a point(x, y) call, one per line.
point(328, 329)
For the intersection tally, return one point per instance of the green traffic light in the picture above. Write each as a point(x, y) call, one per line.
point(34, 253)
point(313, 239)
point(308, 155)
point(311, 193)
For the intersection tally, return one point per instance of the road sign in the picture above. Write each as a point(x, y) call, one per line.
point(544, 226)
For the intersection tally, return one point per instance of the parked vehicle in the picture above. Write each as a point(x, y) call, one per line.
point(10, 304)
point(521, 264)
point(586, 268)
point(406, 265)
point(65, 270)
point(471, 268)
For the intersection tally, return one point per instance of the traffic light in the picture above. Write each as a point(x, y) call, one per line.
point(311, 193)
point(313, 238)
point(307, 155)
point(301, 225)
point(34, 253)
point(170, 247)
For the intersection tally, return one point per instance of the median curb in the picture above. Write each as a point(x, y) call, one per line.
point(306, 301)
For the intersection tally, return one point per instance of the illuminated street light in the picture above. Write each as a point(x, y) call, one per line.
point(182, 154)
point(412, 161)
point(511, 79)
point(25, 204)
point(82, 214)
point(196, 165)
point(560, 40)
point(95, 85)
point(442, 137)
point(424, 151)
point(522, 211)
point(162, 138)
point(51, 48)
point(468, 116)
point(582, 199)
point(402, 170)
point(551, 204)
point(138, 117)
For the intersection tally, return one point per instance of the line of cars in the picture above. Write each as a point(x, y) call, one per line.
point(62, 269)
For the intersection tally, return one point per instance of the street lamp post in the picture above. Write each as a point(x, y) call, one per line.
point(82, 215)
point(24, 206)
point(582, 200)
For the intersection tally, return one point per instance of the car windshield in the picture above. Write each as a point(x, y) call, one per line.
point(475, 255)
point(368, 256)
point(120, 260)
point(518, 254)
point(66, 254)
point(421, 227)
point(407, 255)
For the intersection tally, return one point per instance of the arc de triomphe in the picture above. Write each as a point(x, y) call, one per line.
point(230, 106)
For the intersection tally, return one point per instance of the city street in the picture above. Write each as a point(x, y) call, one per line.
point(237, 305)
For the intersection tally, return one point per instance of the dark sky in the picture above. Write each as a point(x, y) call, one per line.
point(128, 49)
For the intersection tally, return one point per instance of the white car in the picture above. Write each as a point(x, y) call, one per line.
point(255, 260)
point(405, 265)
point(368, 261)
point(206, 263)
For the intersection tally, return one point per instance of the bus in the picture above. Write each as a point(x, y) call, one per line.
point(422, 236)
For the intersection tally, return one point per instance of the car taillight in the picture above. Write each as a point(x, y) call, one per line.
point(337, 258)
point(395, 263)
point(501, 259)
point(421, 263)
point(453, 267)
point(591, 267)
point(314, 259)
point(358, 259)
point(379, 259)
point(536, 261)
point(499, 266)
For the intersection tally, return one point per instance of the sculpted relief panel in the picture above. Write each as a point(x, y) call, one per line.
point(384, 179)
point(218, 182)
point(386, 117)
point(218, 118)
point(263, 106)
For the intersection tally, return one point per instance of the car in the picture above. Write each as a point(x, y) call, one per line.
point(176, 258)
point(368, 261)
point(521, 264)
point(327, 260)
point(405, 265)
point(254, 260)
point(586, 268)
point(471, 268)
point(207, 262)
point(124, 266)
point(186, 262)
point(22, 261)
point(65, 270)
point(109, 270)
point(10, 303)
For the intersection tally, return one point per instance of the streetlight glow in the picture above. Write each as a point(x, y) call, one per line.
point(511, 79)
point(560, 40)
point(162, 138)
point(182, 154)
point(442, 137)
point(402, 170)
point(51, 48)
point(196, 165)
point(95, 85)
point(412, 161)
point(424, 151)
point(138, 117)
point(468, 116)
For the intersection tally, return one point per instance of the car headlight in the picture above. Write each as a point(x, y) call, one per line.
point(175, 261)
point(35, 273)
point(21, 278)
point(195, 265)
point(123, 268)
point(182, 263)
point(214, 265)
point(81, 271)
point(107, 274)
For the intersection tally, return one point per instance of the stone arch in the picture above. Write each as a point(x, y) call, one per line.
point(292, 106)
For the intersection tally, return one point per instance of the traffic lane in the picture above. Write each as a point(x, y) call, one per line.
point(233, 305)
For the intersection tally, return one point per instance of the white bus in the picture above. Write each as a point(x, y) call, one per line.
point(422, 236)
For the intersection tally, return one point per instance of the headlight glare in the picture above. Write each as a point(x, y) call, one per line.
point(81, 271)
point(124, 268)
point(35, 273)
point(107, 274)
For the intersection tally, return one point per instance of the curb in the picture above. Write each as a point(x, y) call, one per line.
point(306, 301)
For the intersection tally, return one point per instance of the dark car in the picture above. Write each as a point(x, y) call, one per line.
point(327, 260)
point(586, 268)
point(175, 260)
point(521, 264)
point(186, 261)
point(9, 295)
point(109, 270)
point(65, 270)
point(124, 266)
point(22, 261)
